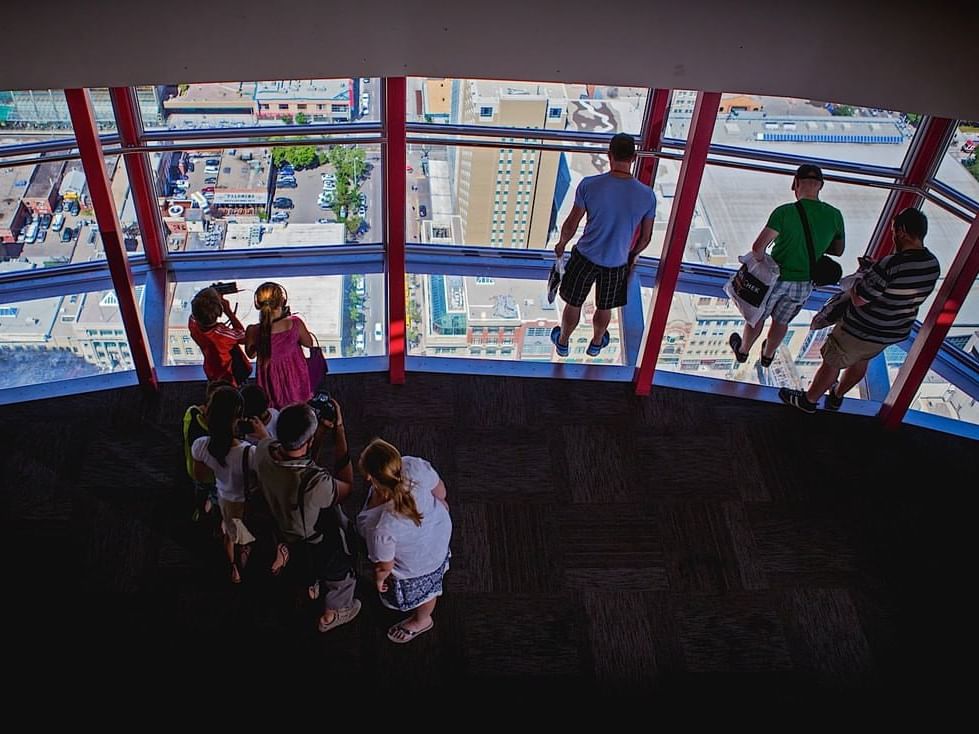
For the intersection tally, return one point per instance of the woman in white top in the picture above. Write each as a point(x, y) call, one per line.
point(406, 525)
point(231, 463)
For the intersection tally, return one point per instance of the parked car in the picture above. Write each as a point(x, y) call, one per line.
point(92, 234)
point(324, 220)
point(378, 332)
point(283, 202)
point(45, 221)
point(58, 221)
point(60, 205)
point(422, 210)
point(67, 234)
point(42, 235)
point(211, 180)
point(212, 162)
point(362, 211)
point(287, 184)
point(279, 217)
point(73, 207)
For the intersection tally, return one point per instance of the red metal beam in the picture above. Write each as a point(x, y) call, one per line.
point(959, 279)
point(656, 115)
point(688, 186)
point(395, 183)
point(100, 190)
point(140, 177)
point(925, 157)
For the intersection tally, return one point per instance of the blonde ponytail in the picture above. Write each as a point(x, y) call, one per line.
point(268, 297)
point(382, 462)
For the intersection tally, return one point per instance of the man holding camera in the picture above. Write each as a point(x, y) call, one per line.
point(304, 500)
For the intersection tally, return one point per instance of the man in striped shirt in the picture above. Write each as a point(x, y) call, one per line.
point(883, 307)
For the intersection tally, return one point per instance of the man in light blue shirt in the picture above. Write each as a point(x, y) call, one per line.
point(619, 226)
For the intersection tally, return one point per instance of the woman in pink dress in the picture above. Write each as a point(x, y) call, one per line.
point(277, 340)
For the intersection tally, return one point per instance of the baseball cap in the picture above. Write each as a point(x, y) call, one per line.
point(808, 170)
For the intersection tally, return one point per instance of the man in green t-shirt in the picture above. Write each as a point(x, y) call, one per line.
point(790, 293)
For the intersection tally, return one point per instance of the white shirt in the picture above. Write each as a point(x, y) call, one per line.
point(416, 550)
point(228, 478)
point(270, 428)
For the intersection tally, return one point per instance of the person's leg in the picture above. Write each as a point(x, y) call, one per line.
point(569, 322)
point(421, 619)
point(851, 376)
point(340, 604)
point(750, 335)
point(822, 381)
point(776, 333)
point(600, 322)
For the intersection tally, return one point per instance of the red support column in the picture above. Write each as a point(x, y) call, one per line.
point(926, 156)
point(99, 188)
point(395, 183)
point(140, 176)
point(954, 288)
point(655, 121)
point(688, 186)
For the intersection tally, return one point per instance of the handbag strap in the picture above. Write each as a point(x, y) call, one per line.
point(805, 228)
point(244, 466)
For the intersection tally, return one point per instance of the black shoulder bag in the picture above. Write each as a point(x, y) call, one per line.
point(825, 270)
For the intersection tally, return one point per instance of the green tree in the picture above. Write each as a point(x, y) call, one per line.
point(353, 222)
point(301, 118)
point(843, 110)
point(287, 119)
point(300, 156)
point(913, 118)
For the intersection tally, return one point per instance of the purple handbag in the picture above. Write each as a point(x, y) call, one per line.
point(316, 364)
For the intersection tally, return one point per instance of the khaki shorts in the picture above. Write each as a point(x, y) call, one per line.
point(232, 524)
point(842, 350)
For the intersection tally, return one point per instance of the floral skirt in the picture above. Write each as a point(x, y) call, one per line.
point(407, 594)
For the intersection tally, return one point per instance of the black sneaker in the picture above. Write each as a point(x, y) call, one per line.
point(832, 401)
point(797, 399)
point(735, 341)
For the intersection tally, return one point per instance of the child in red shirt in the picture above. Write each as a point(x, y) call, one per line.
point(223, 358)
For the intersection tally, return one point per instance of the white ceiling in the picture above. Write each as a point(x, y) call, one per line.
point(900, 55)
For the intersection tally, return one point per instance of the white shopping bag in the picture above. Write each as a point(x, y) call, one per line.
point(554, 279)
point(751, 286)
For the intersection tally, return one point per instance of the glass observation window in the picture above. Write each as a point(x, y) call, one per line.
point(509, 198)
point(801, 127)
point(696, 342)
point(282, 106)
point(46, 214)
point(734, 204)
point(958, 168)
point(544, 105)
point(345, 312)
point(496, 318)
point(270, 196)
point(61, 337)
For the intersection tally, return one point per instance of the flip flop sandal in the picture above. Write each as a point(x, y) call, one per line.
point(735, 341)
point(282, 552)
point(594, 349)
point(400, 635)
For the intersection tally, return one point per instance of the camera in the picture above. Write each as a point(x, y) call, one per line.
point(322, 405)
point(225, 288)
point(242, 428)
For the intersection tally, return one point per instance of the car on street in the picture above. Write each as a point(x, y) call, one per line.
point(93, 233)
point(324, 220)
point(283, 202)
point(207, 190)
point(45, 221)
point(42, 235)
point(359, 342)
point(279, 217)
point(378, 332)
point(287, 184)
point(211, 180)
point(362, 211)
point(73, 207)
point(67, 234)
point(422, 210)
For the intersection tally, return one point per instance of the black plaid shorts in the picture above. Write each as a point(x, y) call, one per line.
point(581, 273)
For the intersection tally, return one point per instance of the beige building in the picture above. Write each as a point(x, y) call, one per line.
point(505, 195)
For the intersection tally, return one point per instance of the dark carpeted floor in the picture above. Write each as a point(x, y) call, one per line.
point(687, 546)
